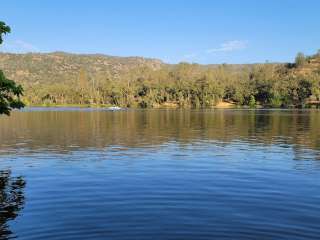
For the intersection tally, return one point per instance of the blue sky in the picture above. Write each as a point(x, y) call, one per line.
point(226, 31)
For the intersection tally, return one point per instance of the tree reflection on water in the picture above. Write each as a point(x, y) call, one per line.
point(11, 200)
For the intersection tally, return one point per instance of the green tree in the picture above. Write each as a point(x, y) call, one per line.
point(10, 92)
point(300, 59)
point(252, 102)
point(4, 29)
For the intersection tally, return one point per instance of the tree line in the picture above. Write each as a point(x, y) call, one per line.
point(190, 85)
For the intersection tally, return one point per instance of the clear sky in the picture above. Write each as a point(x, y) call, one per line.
point(239, 31)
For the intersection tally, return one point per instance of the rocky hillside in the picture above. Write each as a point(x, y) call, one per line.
point(57, 67)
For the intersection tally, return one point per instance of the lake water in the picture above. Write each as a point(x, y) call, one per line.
point(160, 174)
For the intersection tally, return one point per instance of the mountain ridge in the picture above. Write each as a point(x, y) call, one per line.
point(97, 79)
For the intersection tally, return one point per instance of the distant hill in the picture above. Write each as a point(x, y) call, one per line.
point(61, 67)
point(61, 78)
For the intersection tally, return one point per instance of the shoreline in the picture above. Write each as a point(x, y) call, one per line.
point(233, 107)
point(175, 105)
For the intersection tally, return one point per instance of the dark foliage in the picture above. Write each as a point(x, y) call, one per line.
point(10, 92)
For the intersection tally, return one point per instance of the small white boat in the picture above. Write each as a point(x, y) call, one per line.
point(114, 108)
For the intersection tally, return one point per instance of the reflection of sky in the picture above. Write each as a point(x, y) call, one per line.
point(215, 185)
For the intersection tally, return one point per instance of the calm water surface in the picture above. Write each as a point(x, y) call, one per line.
point(160, 174)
